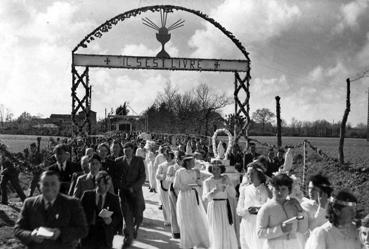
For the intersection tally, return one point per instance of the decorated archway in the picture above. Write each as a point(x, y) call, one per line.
point(82, 62)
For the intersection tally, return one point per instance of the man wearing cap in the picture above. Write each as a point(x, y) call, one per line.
point(51, 220)
point(64, 167)
point(132, 177)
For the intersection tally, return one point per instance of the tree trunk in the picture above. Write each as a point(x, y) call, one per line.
point(343, 123)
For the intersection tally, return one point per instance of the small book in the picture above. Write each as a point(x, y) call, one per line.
point(45, 232)
point(104, 213)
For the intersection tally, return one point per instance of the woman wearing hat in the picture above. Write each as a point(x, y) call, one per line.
point(339, 232)
point(252, 197)
point(364, 232)
point(191, 215)
point(217, 189)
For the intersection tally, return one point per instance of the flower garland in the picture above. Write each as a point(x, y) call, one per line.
point(229, 146)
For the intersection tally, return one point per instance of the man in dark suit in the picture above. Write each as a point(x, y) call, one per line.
point(64, 167)
point(102, 229)
point(132, 177)
point(88, 181)
point(250, 156)
point(62, 216)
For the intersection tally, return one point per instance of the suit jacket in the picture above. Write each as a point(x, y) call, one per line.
point(66, 214)
point(84, 182)
point(112, 204)
point(65, 175)
point(131, 176)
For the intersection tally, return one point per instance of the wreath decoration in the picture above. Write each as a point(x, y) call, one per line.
point(229, 146)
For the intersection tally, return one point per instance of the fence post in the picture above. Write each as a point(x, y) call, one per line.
point(304, 169)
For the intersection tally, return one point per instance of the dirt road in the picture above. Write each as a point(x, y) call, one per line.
point(153, 234)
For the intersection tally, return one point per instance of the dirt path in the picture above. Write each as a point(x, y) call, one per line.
point(153, 234)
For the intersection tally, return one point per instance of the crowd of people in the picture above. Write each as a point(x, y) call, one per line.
point(89, 192)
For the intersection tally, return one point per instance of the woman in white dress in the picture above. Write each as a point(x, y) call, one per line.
point(164, 184)
point(191, 215)
point(149, 161)
point(173, 194)
point(338, 232)
point(252, 197)
point(217, 189)
point(271, 220)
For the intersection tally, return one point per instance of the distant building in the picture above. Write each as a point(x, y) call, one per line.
point(126, 123)
point(64, 121)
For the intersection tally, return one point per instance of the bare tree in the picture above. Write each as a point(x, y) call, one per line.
point(209, 102)
point(263, 116)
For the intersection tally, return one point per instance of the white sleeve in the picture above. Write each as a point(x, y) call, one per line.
point(316, 240)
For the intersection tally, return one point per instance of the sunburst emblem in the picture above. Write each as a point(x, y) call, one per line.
point(163, 35)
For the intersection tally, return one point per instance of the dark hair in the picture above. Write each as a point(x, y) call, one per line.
point(171, 154)
point(263, 160)
point(50, 173)
point(102, 175)
point(334, 207)
point(128, 145)
point(186, 160)
point(365, 221)
point(259, 172)
point(104, 145)
point(221, 166)
point(181, 155)
point(322, 182)
point(60, 148)
point(282, 180)
point(96, 157)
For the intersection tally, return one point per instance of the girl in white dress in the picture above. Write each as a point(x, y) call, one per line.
point(164, 185)
point(217, 189)
point(270, 220)
point(252, 197)
point(149, 161)
point(338, 232)
point(191, 215)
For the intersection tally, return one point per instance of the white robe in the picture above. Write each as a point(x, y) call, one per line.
point(161, 175)
point(328, 236)
point(222, 234)
point(159, 159)
point(191, 216)
point(250, 196)
point(268, 226)
point(149, 161)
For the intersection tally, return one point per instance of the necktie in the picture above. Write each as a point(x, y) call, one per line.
point(93, 181)
point(99, 203)
point(47, 206)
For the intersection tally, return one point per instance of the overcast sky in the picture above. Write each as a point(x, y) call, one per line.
point(300, 50)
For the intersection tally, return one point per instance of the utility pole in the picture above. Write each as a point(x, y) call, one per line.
point(367, 124)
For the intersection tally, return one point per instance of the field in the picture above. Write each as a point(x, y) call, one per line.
point(17, 143)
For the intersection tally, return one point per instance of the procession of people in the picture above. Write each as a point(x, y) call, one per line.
point(90, 192)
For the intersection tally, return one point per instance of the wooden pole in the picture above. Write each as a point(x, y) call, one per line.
point(367, 124)
point(304, 170)
point(343, 123)
point(279, 123)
